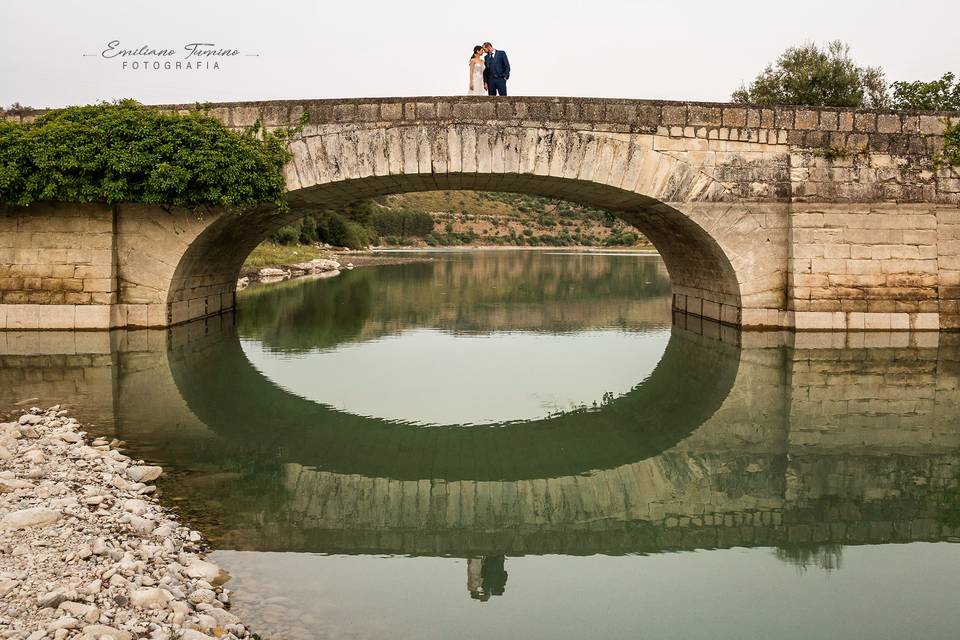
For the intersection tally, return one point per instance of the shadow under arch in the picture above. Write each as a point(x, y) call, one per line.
point(226, 392)
point(701, 273)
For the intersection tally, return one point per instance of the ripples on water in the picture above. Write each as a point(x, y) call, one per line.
point(523, 445)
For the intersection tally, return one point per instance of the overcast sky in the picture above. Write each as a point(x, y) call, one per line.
point(689, 50)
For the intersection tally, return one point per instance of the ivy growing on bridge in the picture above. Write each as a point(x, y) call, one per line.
point(127, 152)
point(951, 144)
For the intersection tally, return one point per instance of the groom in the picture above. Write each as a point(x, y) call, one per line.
point(496, 72)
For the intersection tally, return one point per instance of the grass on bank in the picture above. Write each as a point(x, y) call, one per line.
point(269, 254)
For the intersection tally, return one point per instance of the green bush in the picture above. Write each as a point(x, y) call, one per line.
point(340, 231)
point(402, 223)
point(286, 235)
point(308, 230)
point(951, 145)
point(623, 239)
point(126, 152)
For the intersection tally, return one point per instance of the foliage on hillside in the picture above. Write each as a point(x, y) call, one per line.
point(126, 152)
point(444, 218)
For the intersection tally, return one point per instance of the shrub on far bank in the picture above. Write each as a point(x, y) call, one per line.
point(402, 223)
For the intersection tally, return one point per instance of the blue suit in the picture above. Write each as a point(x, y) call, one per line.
point(496, 72)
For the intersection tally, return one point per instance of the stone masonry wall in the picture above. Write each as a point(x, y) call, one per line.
point(57, 266)
point(823, 218)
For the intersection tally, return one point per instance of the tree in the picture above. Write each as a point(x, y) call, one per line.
point(809, 75)
point(938, 95)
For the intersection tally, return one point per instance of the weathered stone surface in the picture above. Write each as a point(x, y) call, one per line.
point(26, 518)
point(716, 188)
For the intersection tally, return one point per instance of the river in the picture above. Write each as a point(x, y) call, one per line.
point(515, 444)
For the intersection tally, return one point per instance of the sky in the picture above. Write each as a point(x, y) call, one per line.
point(288, 49)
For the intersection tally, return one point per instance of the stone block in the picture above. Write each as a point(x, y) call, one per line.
point(92, 316)
point(705, 116)
point(56, 316)
point(865, 122)
point(736, 117)
point(22, 316)
point(674, 115)
point(807, 119)
point(828, 121)
point(391, 111)
point(888, 123)
point(931, 125)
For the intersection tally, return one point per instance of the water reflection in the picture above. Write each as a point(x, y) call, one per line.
point(774, 459)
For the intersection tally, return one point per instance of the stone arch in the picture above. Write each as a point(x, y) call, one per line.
point(711, 244)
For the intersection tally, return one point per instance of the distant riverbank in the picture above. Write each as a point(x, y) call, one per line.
point(272, 262)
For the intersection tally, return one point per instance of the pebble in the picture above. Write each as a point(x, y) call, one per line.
point(202, 596)
point(149, 598)
point(99, 632)
point(61, 502)
point(144, 473)
point(32, 517)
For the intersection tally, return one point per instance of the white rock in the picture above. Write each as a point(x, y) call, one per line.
point(27, 431)
point(51, 599)
point(142, 525)
point(87, 612)
point(135, 506)
point(5, 453)
point(35, 456)
point(69, 436)
point(29, 418)
point(202, 595)
point(33, 517)
point(99, 631)
point(65, 622)
point(206, 622)
point(144, 473)
point(193, 634)
point(208, 571)
point(149, 598)
point(8, 485)
point(6, 586)
point(223, 617)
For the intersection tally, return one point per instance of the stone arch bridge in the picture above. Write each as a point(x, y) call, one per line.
point(806, 218)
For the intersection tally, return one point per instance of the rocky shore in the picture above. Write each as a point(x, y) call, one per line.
point(87, 552)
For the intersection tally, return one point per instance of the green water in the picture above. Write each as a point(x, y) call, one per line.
point(527, 445)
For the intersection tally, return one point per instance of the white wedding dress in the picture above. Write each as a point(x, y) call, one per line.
point(477, 71)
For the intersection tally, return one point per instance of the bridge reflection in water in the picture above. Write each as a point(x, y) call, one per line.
point(797, 445)
point(806, 443)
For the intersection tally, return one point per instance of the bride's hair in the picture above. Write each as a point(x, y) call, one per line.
point(475, 50)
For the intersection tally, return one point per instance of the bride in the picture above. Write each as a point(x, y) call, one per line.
point(476, 73)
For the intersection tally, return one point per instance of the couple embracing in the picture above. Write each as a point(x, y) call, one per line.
point(489, 71)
